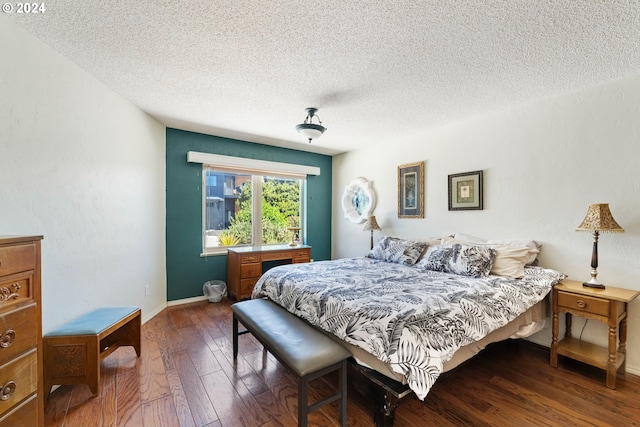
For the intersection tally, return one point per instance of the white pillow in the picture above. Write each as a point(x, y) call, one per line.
point(469, 239)
point(534, 247)
point(510, 260)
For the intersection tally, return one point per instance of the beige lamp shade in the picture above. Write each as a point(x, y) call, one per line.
point(371, 224)
point(599, 219)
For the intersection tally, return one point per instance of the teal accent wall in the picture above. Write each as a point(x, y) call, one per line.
point(186, 269)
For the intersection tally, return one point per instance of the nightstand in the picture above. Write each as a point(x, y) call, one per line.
point(607, 305)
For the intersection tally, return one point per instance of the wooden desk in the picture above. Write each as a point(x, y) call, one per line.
point(245, 264)
point(606, 305)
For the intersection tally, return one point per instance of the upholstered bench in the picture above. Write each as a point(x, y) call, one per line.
point(300, 347)
point(73, 352)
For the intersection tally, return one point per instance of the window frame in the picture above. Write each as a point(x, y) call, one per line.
point(258, 169)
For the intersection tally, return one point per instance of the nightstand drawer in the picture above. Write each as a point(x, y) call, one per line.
point(250, 270)
point(583, 303)
point(18, 332)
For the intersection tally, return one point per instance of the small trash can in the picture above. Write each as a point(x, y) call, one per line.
point(215, 290)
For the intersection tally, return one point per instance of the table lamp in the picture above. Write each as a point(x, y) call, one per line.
point(598, 219)
point(371, 224)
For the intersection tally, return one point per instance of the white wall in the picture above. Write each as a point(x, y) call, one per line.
point(543, 164)
point(84, 167)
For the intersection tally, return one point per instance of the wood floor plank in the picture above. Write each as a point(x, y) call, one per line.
point(160, 413)
point(232, 408)
point(179, 316)
point(180, 401)
point(277, 414)
point(108, 391)
point(57, 405)
point(199, 403)
point(187, 377)
point(128, 398)
point(153, 378)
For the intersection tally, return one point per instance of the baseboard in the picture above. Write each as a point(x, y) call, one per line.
point(152, 314)
point(187, 300)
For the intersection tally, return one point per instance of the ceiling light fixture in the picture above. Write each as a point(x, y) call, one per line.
point(309, 129)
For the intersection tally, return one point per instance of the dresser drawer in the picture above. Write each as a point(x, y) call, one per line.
point(18, 379)
point(15, 290)
point(18, 332)
point(249, 258)
point(14, 259)
point(583, 303)
point(25, 414)
point(250, 270)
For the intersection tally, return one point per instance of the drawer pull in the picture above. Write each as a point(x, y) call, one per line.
point(7, 390)
point(6, 294)
point(581, 304)
point(8, 338)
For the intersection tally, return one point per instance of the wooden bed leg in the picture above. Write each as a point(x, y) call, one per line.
point(385, 413)
point(384, 393)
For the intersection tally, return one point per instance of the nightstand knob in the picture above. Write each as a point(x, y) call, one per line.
point(581, 303)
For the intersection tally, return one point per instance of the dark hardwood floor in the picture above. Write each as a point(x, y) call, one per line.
point(186, 376)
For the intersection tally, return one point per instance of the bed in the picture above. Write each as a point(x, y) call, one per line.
point(411, 310)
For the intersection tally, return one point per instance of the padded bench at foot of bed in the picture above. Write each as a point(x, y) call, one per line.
point(73, 352)
point(300, 347)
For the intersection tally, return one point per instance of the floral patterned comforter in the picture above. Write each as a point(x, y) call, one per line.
point(410, 318)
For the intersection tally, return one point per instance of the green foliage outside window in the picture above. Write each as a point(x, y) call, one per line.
point(280, 210)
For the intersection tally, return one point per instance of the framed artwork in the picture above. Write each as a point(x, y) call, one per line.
point(358, 200)
point(465, 191)
point(411, 190)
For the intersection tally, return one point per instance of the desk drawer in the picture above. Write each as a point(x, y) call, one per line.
point(246, 287)
point(249, 258)
point(276, 255)
point(302, 255)
point(583, 303)
point(18, 379)
point(18, 332)
point(250, 270)
point(14, 259)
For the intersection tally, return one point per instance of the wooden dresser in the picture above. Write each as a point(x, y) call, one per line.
point(21, 399)
point(245, 264)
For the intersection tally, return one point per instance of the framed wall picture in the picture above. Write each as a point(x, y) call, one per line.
point(411, 190)
point(465, 191)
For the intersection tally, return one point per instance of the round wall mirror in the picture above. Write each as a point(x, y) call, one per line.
point(358, 200)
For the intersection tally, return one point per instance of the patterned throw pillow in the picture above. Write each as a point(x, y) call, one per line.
point(437, 258)
point(400, 251)
point(474, 261)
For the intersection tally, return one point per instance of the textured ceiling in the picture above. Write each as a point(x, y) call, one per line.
point(379, 71)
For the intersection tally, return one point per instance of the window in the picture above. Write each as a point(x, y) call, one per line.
point(249, 201)
point(250, 209)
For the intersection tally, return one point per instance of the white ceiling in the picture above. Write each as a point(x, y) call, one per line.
point(379, 71)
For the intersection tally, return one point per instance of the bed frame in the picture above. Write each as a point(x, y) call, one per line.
point(385, 393)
